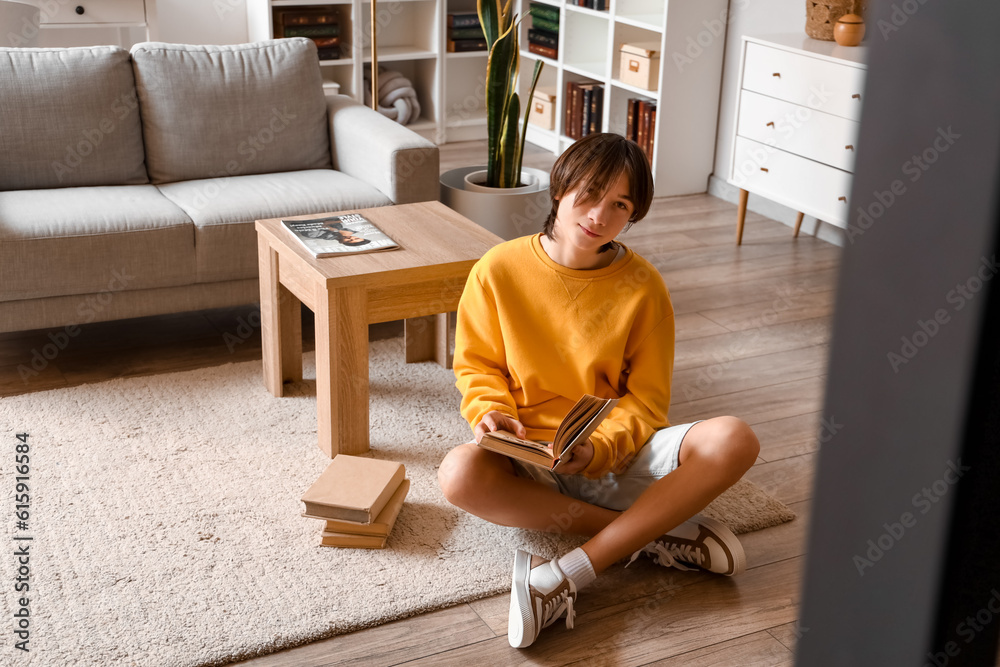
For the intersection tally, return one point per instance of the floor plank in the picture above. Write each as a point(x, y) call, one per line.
point(753, 326)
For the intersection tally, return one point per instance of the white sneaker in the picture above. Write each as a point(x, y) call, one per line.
point(540, 594)
point(700, 542)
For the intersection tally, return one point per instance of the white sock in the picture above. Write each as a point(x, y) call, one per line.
point(577, 567)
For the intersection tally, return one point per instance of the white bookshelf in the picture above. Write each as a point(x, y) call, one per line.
point(687, 95)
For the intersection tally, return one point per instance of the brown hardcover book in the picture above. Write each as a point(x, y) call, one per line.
point(596, 110)
point(651, 132)
point(576, 113)
point(583, 418)
point(568, 108)
point(466, 45)
point(383, 523)
point(463, 20)
point(630, 125)
point(542, 50)
point(353, 488)
point(326, 42)
point(640, 132)
point(308, 17)
point(328, 539)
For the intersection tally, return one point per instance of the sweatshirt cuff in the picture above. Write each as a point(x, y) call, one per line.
point(599, 465)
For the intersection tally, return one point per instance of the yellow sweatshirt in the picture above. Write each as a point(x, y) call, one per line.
point(534, 336)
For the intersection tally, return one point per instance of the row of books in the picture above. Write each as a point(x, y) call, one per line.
point(584, 109)
point(358, 499)
point(640, 123)
point(543, 35)
point(599, 5)
point(320, 25)
point(465, 33)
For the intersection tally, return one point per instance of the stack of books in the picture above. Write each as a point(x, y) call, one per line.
point(640, 123)
point(543, 35)
point(358, 499)
point(465, 33)
point(599, 5)
point(584, 109)
point(320, 25)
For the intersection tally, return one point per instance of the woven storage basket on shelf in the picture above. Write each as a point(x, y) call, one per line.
point(821, 15)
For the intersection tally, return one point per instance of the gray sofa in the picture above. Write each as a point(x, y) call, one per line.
point(129, 182)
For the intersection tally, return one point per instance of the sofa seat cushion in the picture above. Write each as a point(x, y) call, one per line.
point(224, 211)
point(85, 240)
point(211, 111)
point(68, 117)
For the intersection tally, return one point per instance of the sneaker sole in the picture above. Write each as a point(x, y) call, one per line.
point(731, 542)
point(520, 621)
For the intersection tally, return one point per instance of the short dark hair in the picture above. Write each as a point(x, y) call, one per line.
point(591, 165)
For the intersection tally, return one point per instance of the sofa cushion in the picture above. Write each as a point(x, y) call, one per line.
point(86, 240)
point(68, 117)
point(224, 210)
point(211, 111)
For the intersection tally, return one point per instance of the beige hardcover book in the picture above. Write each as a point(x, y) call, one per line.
point(353, 541)
point(353, 488)
point(383, 523)
point(576, 427)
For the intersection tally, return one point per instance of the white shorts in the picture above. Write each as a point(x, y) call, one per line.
point(654, 460)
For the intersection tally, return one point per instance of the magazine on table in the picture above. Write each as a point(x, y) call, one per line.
point(350, 233)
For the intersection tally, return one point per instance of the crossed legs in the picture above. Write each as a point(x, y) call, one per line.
point(714, 455)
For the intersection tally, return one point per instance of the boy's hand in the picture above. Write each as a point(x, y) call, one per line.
point(494, 420)
point(579, 458)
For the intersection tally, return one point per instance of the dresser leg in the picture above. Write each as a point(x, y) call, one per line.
point(741, 215)
point(798, 223)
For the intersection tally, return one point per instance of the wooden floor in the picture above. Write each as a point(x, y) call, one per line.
point(753, 326)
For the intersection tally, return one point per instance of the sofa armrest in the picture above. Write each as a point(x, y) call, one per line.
point(370, 147)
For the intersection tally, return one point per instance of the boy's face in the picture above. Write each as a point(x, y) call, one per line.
point(585, 226)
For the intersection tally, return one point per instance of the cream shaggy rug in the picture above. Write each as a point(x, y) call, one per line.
point(166, 526)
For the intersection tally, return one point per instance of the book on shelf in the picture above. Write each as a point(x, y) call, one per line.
point(326, 42)
point(466, 33)
point(594, 120)
point(350, 233)
point(463, 20)
point(630, 125)
point(300, 17)
point(380, 527)
point(325, 30)
point(329, 54)
point(592, 95)
point(582, 420)
point(651, 133)
point(353, 488)
point(544, 11)
point(588, 93)
point(545, 24)
point(542, 50)
point(466, 45)
point(543, 38)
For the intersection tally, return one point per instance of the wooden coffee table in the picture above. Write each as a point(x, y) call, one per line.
point(420, 282)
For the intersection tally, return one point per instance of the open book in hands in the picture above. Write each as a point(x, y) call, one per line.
point(575, 428)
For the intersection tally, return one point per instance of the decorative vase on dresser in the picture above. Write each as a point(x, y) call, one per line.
point(797, 118)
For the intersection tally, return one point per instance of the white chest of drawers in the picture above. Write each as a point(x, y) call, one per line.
point(796, 129)
point(98, 14)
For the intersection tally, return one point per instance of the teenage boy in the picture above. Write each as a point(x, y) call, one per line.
point(571, 311)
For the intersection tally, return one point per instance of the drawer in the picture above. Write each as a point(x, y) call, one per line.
point(811, 82)
point(815, 189)
point(797, 129)
point(94, 11)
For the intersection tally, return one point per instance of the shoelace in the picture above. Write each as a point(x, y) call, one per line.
point(555, 607)
point(671, 555)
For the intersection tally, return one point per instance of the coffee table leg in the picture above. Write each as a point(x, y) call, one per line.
point(430, 338)
point(342, 371)
point(280, 325)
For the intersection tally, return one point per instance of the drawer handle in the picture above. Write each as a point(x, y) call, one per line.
point(843, 199)
point(777, 74)
point(856, 96)
point(80, 9)
point(771, 124)
point(763, 169)
point(850, 148)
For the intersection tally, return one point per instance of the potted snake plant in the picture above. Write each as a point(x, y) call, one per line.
point(502, 195)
